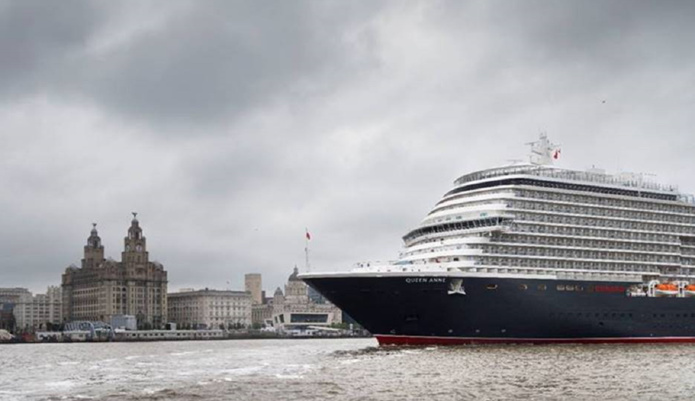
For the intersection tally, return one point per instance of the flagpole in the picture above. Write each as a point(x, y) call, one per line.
point(306, 248)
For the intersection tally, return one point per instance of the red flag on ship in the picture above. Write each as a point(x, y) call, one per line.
point(308, 236)
point(556, 154)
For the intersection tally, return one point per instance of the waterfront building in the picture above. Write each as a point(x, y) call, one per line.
point(7, 320)
point(40, 310)
point(254, 284)
point(294, 310)
point(315, 296)
point(14, 295)
point(210, 308)
point(102, 288)
point(262, 314)
point(125, 322)
point(10, 298)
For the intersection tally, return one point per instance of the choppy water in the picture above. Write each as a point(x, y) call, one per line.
point(354, 369)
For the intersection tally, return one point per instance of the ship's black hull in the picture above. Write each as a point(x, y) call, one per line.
point(425, 310)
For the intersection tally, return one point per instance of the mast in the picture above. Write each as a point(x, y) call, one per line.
point(543, 152)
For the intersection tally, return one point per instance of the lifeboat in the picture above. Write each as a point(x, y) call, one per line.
point(689, 290)
point(666, 290)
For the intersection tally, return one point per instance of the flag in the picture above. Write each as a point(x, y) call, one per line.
point(308, 236)
point(556, 154)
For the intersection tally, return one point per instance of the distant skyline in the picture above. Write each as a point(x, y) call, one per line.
point(230, 127)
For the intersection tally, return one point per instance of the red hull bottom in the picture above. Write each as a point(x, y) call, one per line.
point(423, 340)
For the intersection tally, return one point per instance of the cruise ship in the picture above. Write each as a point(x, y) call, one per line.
point(533, 253)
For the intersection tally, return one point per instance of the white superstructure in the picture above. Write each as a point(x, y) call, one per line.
point(537, 219)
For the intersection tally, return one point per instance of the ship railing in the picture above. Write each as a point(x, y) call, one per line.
point(686, 198)
point(375, 264)
point(626, 180)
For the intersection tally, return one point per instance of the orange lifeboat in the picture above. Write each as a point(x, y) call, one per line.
point(689, 290)
point(666, 290)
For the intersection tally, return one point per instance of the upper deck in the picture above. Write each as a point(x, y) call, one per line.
point(595, 177)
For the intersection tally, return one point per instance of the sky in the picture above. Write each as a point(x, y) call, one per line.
point(231, 127)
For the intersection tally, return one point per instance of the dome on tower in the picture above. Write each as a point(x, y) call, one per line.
point(94, 240)
point(293, 276)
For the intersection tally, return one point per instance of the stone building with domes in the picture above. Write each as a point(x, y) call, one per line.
point(102, 287)
point(294, 310)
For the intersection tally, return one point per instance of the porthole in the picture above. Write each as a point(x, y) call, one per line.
point(560, 287)
point(523, 287)
point(491, 286)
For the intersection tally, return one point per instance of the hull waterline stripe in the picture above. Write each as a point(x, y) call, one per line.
point(427, 340)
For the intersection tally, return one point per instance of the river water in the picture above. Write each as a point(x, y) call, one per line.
point(343, 369)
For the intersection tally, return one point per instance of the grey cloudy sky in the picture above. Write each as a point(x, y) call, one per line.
point(231, 126)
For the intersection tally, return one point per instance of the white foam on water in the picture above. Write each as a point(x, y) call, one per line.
point(244, 371)
point(279, 376)
point(183, 353)
point(61, 384)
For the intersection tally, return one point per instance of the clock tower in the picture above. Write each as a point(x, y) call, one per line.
point(94, 250)
point(135, 249)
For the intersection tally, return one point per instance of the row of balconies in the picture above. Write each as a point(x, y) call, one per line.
point(628, 214)
point(527, 248)
point(569, 265)
point(600, 222)
point(603, 200)
point(523, 226)
point(585, 242)
point(587, 255)
point(575, 207)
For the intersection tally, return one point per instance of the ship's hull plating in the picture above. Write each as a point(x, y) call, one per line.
point(432, 310)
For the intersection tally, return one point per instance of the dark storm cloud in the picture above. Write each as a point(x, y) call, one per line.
point(204, 62)
point(36, 40)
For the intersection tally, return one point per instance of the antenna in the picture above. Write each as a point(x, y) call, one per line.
point(543, 152)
